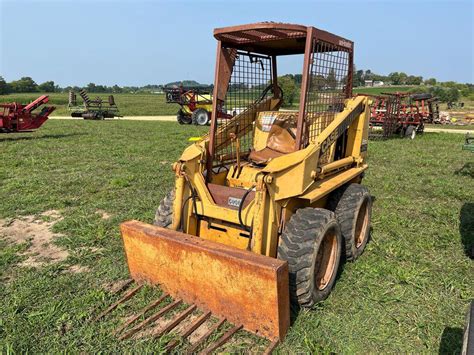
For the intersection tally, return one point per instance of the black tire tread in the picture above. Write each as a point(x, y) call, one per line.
point(194, 116)
point(297, 245)
point(343, 202)
point(164, 213)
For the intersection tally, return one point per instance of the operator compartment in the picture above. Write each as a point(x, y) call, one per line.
point(233, 187)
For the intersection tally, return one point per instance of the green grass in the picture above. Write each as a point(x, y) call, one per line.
point(407, 293)
point(379, 90)
point(128, 104)
point(447, 126)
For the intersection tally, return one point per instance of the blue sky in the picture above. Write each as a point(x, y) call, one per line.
point(155, 42)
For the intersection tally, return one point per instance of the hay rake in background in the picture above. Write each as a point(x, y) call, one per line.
point(92, 109)
point(17, 117)
point(182, 321)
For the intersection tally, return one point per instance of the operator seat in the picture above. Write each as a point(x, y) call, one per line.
point(275, 135)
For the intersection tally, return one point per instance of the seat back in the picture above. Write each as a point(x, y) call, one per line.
point(275, 130)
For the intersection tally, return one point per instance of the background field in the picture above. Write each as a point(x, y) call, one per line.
point(407, 293)
point(155, 104)
point(128, 104)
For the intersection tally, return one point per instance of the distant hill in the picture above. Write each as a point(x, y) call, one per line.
point(185, 83)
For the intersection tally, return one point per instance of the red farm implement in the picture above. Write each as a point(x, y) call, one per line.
point(402, 113)
point(19, 118)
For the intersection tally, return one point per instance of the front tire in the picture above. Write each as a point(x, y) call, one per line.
point(200, 117)
point(311, 243)
point(164, 213)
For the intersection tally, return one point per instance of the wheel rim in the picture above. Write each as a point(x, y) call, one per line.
point(326, 259)
point(362, 223)
point(202, 118)
point(413, 134)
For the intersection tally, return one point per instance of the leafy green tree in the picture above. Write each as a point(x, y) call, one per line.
point(25, 84)
point(414, 80)
point(288, 86)
point(4, 88)
point(116, 89)
point(47, 86)
point(430, 81)
point(358, 77)
point(403, 78)
point(331, 80)
point(452, 95)
point(317, 82)
point(394, 78)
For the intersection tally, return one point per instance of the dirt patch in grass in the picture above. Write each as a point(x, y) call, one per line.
point(77, 269)
point(103, 214)
point(116, 286)
point(36, 232)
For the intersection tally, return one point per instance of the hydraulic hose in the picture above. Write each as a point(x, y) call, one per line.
point(241, 205)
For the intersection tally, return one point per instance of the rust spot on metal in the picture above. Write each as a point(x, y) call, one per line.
point(149, 320)
point(141, 313)
point(125, 298)
point(244, 287)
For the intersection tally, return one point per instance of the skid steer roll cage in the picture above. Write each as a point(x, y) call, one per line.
point(326, 77)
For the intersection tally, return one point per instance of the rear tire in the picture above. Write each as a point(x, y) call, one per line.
point(410, 132)
point(200, 117)
point(311, 243)
point(352, 205)
point(164, 213)
point(182, 118)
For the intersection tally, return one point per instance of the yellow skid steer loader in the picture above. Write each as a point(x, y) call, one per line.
point(267, 204)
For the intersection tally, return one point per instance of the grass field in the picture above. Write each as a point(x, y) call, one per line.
point(128, 104)
point(407, 293)
point(155, 104)
point(379, 90)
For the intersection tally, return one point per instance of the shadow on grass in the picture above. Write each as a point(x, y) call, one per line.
point(451, 341)
point(466, 170)
point(46, 136)
point(466, 228)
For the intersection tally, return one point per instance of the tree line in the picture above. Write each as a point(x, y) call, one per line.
point(446, 91)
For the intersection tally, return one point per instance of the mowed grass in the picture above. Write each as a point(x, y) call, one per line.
point(407, 293)
point(380, 90)
point(128, 104)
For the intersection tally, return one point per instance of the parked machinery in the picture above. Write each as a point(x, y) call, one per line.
point(267, 205)
point(97, 109)
point(469, 143)
point(428, 107)
point(196, 104)
point(402, 113)
point(17, 117)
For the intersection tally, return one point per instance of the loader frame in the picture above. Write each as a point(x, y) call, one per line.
point(231, 201)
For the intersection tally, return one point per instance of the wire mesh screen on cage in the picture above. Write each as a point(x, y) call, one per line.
point(328, 79)
point(248, 89)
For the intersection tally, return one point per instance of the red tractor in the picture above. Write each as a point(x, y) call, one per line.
point(20, 118)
